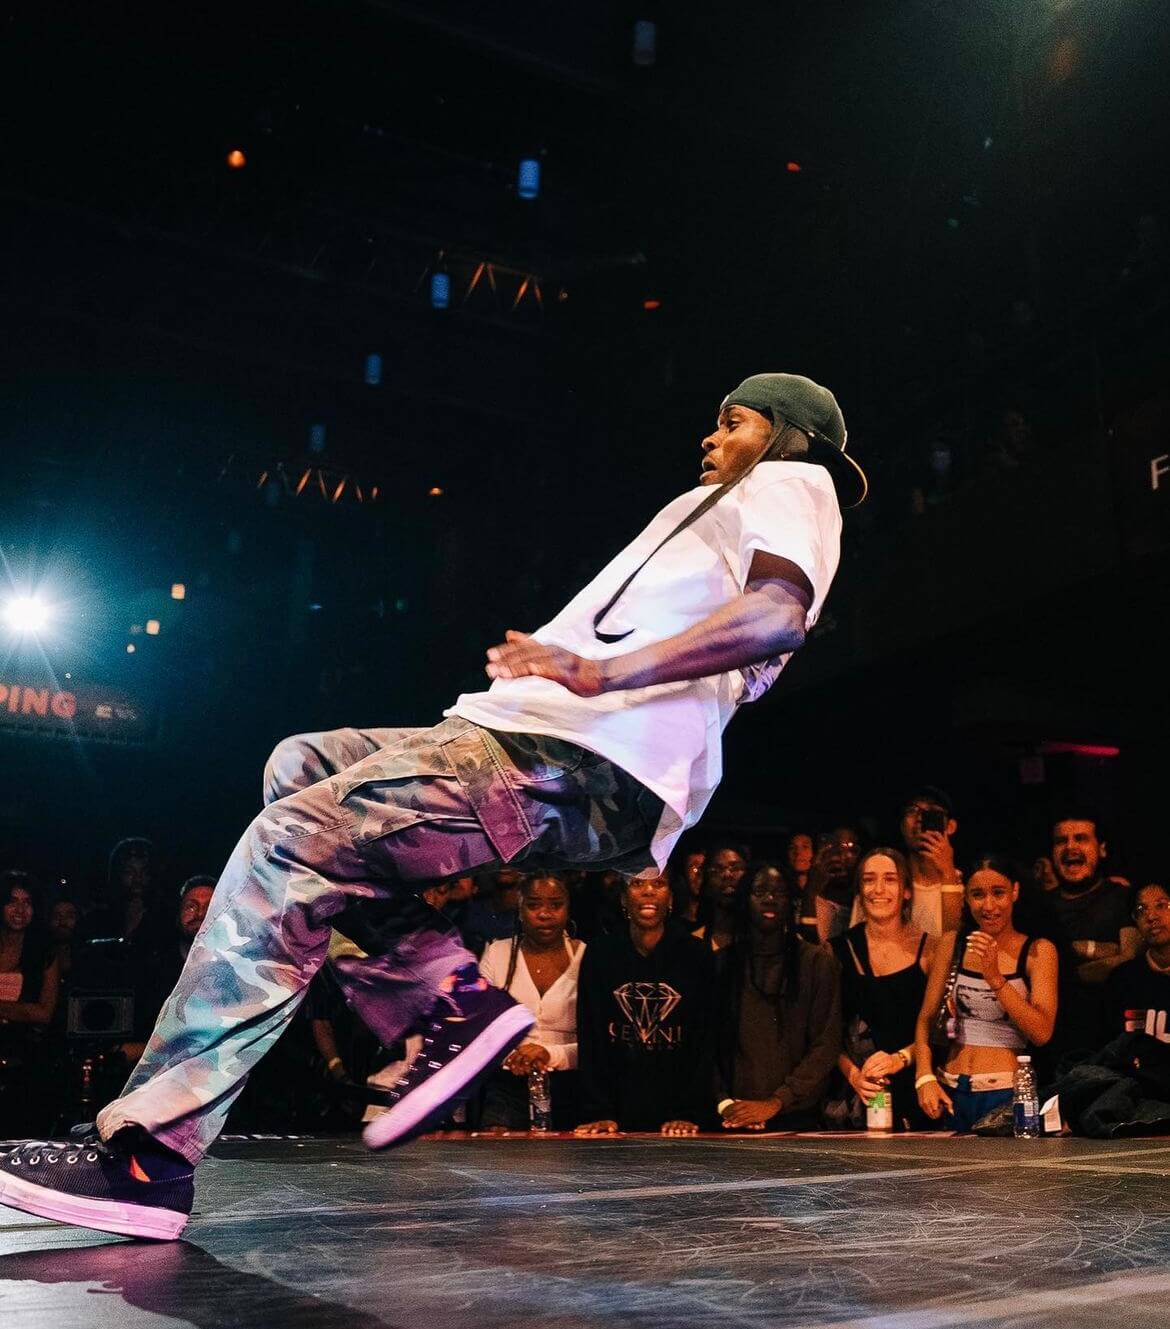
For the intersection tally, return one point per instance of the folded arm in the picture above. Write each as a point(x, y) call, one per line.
point(765, 621)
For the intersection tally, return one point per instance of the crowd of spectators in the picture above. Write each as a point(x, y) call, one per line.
point(733, 993)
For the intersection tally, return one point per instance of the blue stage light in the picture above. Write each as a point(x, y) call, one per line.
point(645, 42)
point(373, 373)
point(528, 178)
point(440, 290)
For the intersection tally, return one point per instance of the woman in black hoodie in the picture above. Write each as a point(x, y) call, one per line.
point(644, 1022)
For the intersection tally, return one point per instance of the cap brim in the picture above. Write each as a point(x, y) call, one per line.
point(848, 478)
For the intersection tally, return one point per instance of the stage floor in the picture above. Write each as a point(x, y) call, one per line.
point(896, 1233)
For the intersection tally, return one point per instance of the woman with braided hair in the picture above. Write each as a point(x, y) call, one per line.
point(538, 965)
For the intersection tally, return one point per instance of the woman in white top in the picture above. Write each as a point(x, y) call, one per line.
point(539, 967)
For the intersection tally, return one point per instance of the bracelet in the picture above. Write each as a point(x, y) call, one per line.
point(333, 1061)
point(723, 1105)
point(925, 1079)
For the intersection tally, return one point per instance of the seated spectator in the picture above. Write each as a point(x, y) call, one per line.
point(539, 966)
point(798, 856)
point(686, 880)
point(1094, 930)
point(157, 961)
point(644, 1022)
point(884, 963)
point(596, 905)
point(723, 870)
point(125, 906)
point(830, 890)
point(29, 980)
point(1124, 1088)
point(779, 1005)
point(928, 825)
point(490, 915)
point(63, 919)
point(1004, 1000)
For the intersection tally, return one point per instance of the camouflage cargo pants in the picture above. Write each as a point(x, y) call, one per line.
point(396, 808)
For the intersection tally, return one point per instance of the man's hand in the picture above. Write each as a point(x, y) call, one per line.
point(750, 1113)
point(938, 856)
point(521, 656)
point(679, 1127)
point(603, 1127)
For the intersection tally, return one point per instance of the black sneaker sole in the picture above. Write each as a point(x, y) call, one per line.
point(423, 1107)
point(128, 1220)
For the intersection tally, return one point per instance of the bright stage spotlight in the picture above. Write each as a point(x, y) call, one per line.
point(26, 614)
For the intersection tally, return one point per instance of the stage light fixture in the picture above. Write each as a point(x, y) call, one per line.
point(178, 591)
point(236, 160)
point(645, 42)
point(528, 178)
point(440, 290)
point(26, 614)
point(153, 627)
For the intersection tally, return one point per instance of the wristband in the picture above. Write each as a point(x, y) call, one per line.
point(333, 1061)
point(724, 1104)
point(925, 1079)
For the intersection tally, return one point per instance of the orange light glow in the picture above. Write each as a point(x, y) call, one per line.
point(178, 591)
point(651, 304)
point(435, 492)
point(793, 168)
point(236, 160)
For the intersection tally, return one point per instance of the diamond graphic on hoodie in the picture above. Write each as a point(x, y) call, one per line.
point(647, 1006)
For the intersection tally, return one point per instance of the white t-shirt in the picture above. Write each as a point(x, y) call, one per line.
point(667, 736)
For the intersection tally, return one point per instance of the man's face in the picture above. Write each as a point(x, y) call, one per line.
point(193, 909)
point(1076, 853)
point(841, 853)
point(800, 853)
point(913, 831)
point(63, 920)
point(738, 439)
point(1151, 913)
point(723, 873)
point(134, 876)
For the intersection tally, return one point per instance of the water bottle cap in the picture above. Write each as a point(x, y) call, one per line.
point(1024, 1061)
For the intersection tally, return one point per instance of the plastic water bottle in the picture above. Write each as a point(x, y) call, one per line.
point(879, 1111)
point(1025, 1101)
point(539, 1102)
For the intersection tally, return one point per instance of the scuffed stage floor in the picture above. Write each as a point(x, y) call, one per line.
point(897, 1233)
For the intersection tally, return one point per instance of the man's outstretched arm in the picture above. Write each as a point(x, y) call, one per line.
point(765, 621)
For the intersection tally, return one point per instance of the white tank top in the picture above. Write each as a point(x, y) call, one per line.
point(981, 1020)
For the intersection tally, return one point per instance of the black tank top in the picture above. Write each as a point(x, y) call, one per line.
point(889, 1003)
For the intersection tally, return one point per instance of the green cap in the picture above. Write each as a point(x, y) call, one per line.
point(813, 410)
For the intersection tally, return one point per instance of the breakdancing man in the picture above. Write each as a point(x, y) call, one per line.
point(597, 744)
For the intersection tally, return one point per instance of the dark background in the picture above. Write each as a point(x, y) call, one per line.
point(976, 226)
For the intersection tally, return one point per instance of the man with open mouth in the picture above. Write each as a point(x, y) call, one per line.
point(596, 745)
